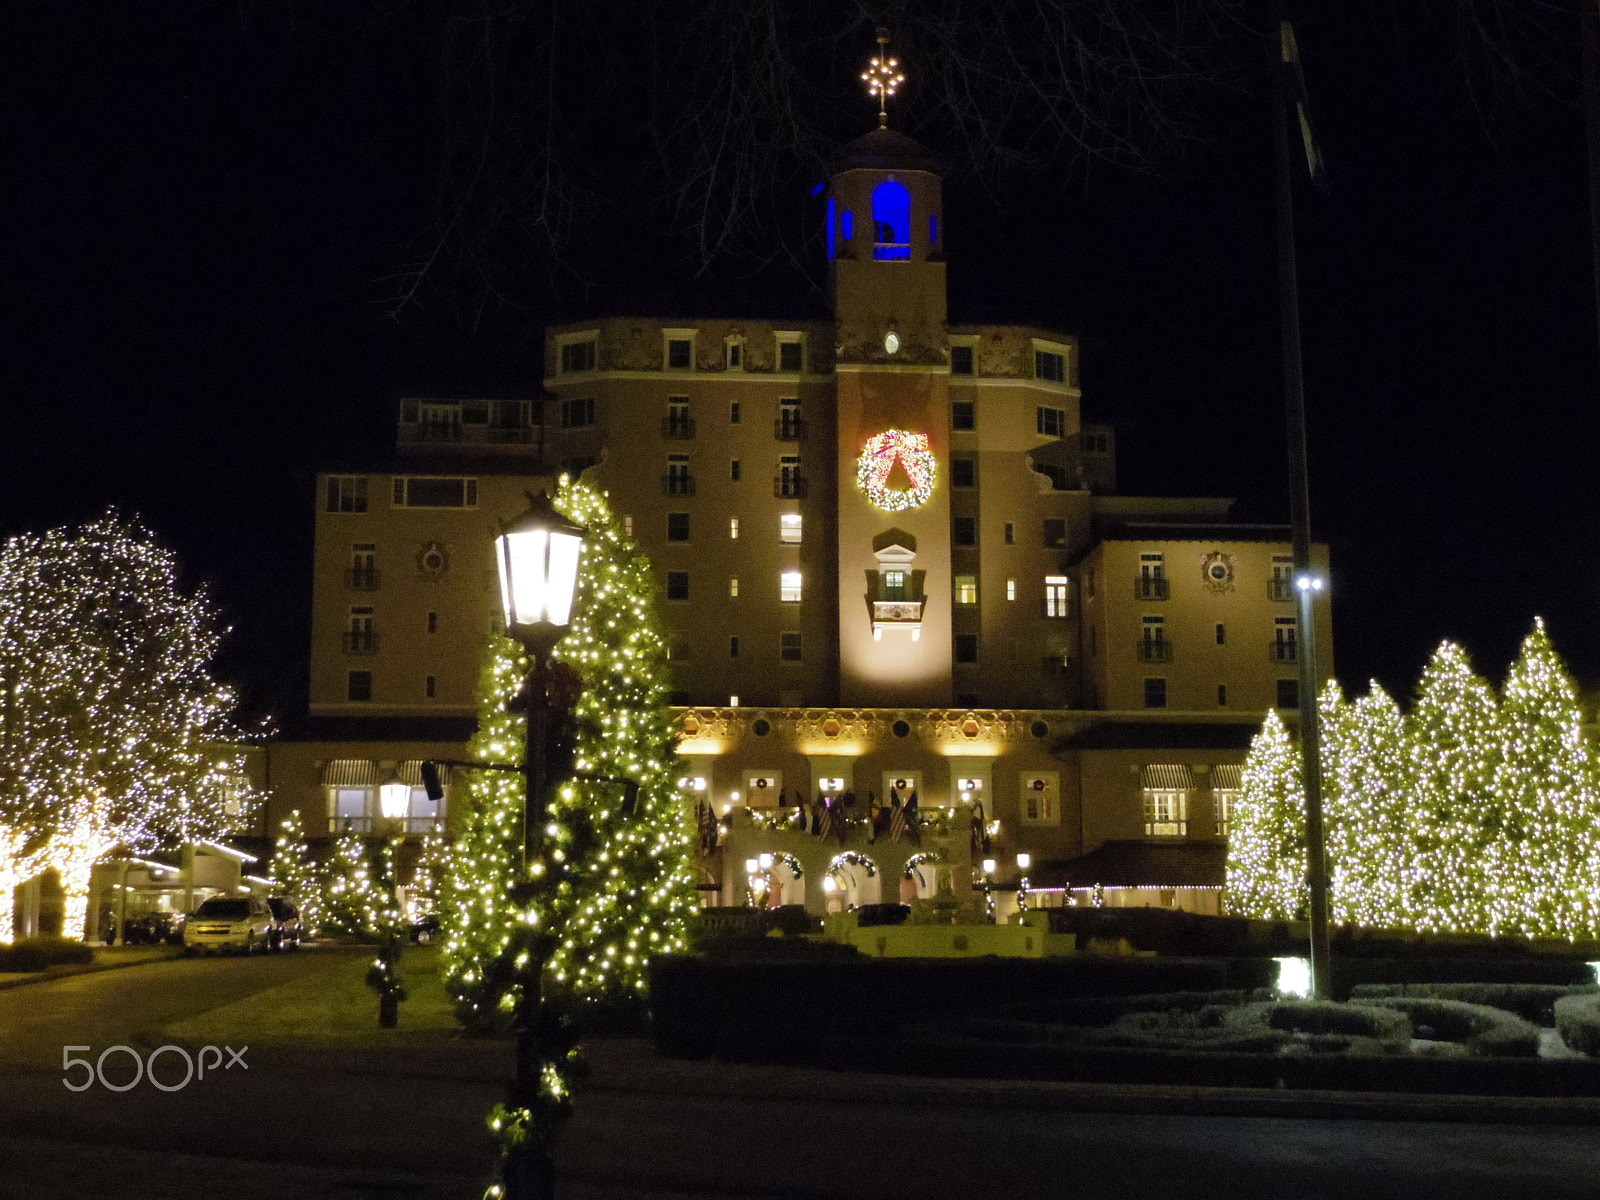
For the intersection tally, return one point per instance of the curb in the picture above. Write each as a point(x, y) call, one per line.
point(67, 970)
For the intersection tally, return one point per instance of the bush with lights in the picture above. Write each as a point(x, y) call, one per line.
point(615, 888)
point(111, 713)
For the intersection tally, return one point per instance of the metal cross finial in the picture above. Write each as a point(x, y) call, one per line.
point(883, 77)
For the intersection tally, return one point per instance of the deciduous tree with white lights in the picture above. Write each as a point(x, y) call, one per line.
point(616, 887)
point(111, 715)
point(1266, 870)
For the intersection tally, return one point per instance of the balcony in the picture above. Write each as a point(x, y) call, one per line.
point(790, 430)
point(1155, 650)
point(1284, 652)
point(897, 614)
point(467, 422)
point(677, 485)
point(360, 641)
point(789, 487)
point(1280, 587)
point(361, 579)
point(677, 428)
point(1150, 587)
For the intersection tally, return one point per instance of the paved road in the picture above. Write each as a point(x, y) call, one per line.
point(405, 1121)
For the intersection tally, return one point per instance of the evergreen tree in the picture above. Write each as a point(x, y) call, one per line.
point(1266, 867)
point(1366, 781)
point(1538, 869)
point(615, 886)
point(1454, 815)
point(296, 875)
point(349, 891)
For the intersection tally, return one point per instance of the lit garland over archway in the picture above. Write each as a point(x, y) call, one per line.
point(877, 461)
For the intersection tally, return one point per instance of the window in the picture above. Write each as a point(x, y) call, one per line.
point(1166, 812)
point(433, 622)
point(789, 587)
point(966, 648)
point(1055, 595)
point(963, 472)
point(1288, 693)
point(678, 481)
point(964, 531)
point(1039, 799)
point(1282, 585)
point(679, 424)
point(1155, 693)
point(961, 360)
point(733, 471)
point(966, 589)
point(677, 527)
point(733, 587)
point(677, 585)
point(791, 357)
point(733, 647)
point(1227, 800)
point(1055, 531)
point(1011, 589)
point(891, 221)
point(577, 356)
point(1050, 366)
point(577, 414)
point(350, 810)
point(627, 524)
point(789, 427)
point(1222, 695)
point(894, 585)
point(680, 353)
point(347, 493)
point(1096, 442)
point(1052, 422)
point(363, 575)
point(1011, 534)
point(789, 647)
point(789, 528)
point(1153, 645)
point(359, 636)
point(733, 413)
point(733, 354)
point(1222, 634)
point(790, 484)
point(1285, 644)
point(963, 415)
point(733, 529)
point(429, 684)
point(1152, 581)
point(358, 686)
point(431, 492)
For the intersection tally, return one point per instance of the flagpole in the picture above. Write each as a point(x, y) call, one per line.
point(1300, 518)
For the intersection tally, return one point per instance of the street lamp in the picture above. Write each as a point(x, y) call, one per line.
point(988, 889)
point(537, 555)
point(394, 797)
point(1024, 861)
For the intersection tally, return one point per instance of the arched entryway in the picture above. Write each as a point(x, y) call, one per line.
point(855, 881)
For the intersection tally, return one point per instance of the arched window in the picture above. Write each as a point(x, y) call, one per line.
point(891, 218)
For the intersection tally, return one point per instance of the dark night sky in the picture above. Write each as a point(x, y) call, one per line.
point(199, 213)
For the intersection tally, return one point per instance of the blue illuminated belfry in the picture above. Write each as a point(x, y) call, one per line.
point(891, 217)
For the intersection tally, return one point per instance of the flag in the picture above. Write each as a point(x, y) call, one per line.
point(822, 825)
point(1294, 85)
point(980, 834)
point(877, 818)
point(913, 819)
point(708, 836)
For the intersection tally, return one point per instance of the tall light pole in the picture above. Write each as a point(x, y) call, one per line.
point(537, 555)
point(1285, 64)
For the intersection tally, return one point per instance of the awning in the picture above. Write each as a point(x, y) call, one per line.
point(1227, 777)
point(1166, 777)
point(351, 773)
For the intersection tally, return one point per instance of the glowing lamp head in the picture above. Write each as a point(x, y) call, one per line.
point(829, 884)
point(1309, 583)
point(1294, 977)
point(988, 866)
point(537, 554)
point(751, 866)
point(1024, 861)
point(766, 862)
point(394, 797)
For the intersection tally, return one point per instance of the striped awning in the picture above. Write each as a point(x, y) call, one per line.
point(1165, 777)
point(351, 773)
point(1227, 777)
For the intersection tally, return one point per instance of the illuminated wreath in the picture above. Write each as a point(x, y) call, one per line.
point(878, 459)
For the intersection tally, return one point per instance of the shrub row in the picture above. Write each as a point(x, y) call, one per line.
point(1481, 1029)
point(1577, 1020)
point(1531, 1001)
point(39, 953)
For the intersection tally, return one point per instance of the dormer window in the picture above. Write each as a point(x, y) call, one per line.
point(891, 221)
point(733, 354)
point(678, 352)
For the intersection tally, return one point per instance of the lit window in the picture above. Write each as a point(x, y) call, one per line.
point(577, 356)
point(627, 525)
point(1052, 422)
point(1050, 366)
point(347, 493)
point(1011, 589)
point(733, 528)
point(789, 586)
point(894, 585)
point(1055, 596)
point(891, 219)
point(1040, 799)
point(733, 587)
point(966, 589)
point(1226, 800)
point(789, 647)
point(789, 525)
point(1166, 812)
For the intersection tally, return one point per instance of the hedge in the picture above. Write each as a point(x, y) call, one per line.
point(39, 953)
point(1578, 1022)
point(1531, 1001)
point(1483, 1030)
point(1322, 1017)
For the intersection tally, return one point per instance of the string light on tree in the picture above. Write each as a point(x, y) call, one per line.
point(883, 78)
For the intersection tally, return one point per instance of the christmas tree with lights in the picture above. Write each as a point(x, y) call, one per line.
point(296, 875)
point(1266, 867)
point(1366, 782)
point(349, 891)
point(615, 886)
point(1454, 814)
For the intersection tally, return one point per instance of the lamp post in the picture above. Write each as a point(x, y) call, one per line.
point(537, 555)
point(1024, 861)
point(394, 797)
point(988, 889)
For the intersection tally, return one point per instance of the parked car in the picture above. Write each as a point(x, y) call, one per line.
point(153, 928)
point(242, 923)
point(286, 928)
point(425, 928)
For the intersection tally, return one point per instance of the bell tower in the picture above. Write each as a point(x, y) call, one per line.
point(887, 288)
